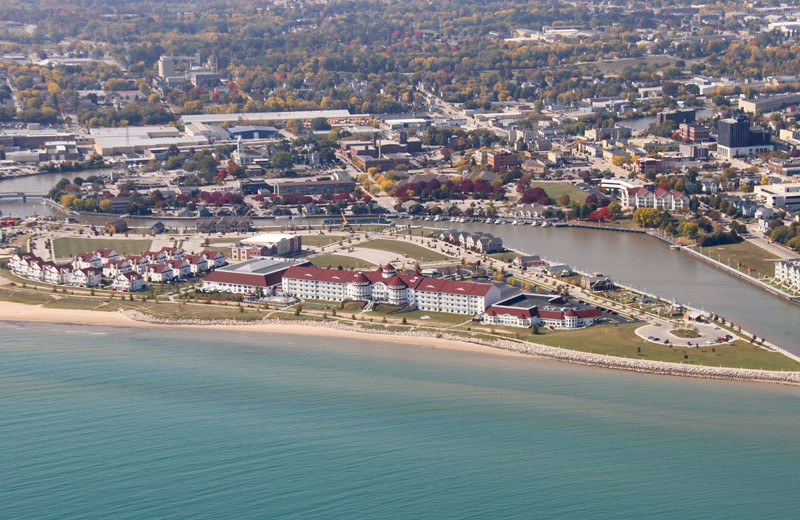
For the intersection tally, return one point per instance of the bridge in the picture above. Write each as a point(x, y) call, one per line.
point(21, 195)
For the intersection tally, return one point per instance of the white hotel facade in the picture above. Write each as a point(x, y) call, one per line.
point(386, 285)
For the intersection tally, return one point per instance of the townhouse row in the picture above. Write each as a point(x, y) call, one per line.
point(128, 274)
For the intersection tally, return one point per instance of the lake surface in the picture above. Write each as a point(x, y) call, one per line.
point(100, 423)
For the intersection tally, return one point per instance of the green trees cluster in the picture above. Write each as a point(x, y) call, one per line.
point(787, 235)
point(133, 114)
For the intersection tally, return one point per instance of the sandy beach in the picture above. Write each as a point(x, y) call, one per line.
point(29, 313)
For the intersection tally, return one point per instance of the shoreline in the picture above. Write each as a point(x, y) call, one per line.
point(34, 314)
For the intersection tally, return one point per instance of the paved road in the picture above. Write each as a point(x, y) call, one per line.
point(779, 250)
point(656, 331)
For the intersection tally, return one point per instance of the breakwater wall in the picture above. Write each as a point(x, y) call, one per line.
point(741, 276)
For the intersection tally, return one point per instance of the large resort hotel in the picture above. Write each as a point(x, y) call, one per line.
point(387, 285)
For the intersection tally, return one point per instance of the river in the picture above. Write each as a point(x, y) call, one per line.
point(637, 125)
point(36, 184)
point(648, 264)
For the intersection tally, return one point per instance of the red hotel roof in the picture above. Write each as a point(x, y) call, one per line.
point(254, 279)
point(413, 280)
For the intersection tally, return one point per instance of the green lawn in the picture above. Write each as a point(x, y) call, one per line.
point(68, 247)
point(436, 317)
point(418, 253)
point(616, 66)
point(24, 295)
point(506, 257)
point(227, 239)
point(87, 303)
point(225, 250)
point(346, 262)
point(747, 253)
point(320, 240)
point(555, 190)
point(621, 341)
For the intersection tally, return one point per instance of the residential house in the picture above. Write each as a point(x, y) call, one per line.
point(87, 260)
point(86, 277)
point(156, 257)
point(158, 228)
point(159, 273)
point(173, 253)
point(215, 258)
point(180, 268)
point(58, 274)
point(197, 264)
point(128, 282)
point(138, 263)
point(115, 267)
point(116, 226)
point(106, 255)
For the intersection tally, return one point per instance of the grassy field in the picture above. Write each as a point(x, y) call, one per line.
point(68, 247)
point(616, 66)
point(746, 253)
point(506, 256)
point(414, 251)
point(621, 341)
point(24, 295)
point(232, 239)
point(321, 240)
point(82, 303)
point(225, 250)
point(555, 190)
point(334, 261)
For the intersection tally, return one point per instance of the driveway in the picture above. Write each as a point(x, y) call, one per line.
point(659, 330)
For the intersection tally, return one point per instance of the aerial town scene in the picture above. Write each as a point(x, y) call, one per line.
point(269, 204)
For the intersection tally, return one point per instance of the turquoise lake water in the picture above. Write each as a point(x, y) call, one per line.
point(122, 423)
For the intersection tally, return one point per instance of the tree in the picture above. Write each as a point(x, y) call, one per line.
point(564, 200)
point(688, 229)
point(282, 160)
point(647, 217)
point(320, 123)
point(294, 126)
point(614, 210)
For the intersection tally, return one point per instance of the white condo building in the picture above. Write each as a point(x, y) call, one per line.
point(787, 272)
